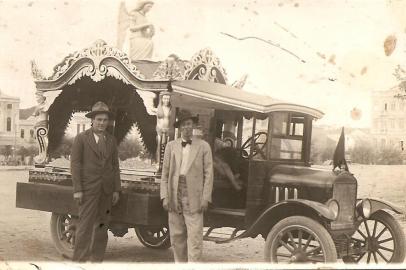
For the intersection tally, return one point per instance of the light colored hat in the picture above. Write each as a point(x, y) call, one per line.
point(99, 107)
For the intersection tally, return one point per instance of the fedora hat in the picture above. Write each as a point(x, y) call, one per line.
point(98, 108)
point(184, 115)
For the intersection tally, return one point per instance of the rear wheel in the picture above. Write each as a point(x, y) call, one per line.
point(299, 239)
point(380, 239)
point(154, 236)
point(63, 228)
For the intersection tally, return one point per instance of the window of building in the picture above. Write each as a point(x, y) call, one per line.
point(9, 106)
point(402, 105)
point(32, 133)
point(393, 106)
point(383, 126)
point(383, 142)
point(83, 127)
point(77, 128)
point(392, 123)
point(401, 124)
point(386, 106)
point(401, 145)
point(8, 123)
point(22, 133)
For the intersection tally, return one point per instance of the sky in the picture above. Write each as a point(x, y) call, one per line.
point(341, 43)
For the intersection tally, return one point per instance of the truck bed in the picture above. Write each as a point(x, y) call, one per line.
point(52, 191)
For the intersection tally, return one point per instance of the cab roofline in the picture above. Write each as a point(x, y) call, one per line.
point(238, 99)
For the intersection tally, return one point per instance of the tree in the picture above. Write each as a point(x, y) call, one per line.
point(64, 149)
point(389, 156)
point(363, 153)
point(6, 150)
point(130, 148)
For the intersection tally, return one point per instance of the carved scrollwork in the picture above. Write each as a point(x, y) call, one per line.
point(169, 69)
point(205, 66)
point(42, 139)
point(96, 69)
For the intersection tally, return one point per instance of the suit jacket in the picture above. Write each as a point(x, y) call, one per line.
point(91, 173)
point(199, 173)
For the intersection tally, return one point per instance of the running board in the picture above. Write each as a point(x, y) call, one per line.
point(220, 240)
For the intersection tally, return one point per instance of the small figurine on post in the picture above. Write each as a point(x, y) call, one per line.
point(164, 127)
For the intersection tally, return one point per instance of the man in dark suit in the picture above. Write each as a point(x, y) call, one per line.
point(96, 184)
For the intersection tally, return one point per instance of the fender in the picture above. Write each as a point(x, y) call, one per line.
point(318, 208)
point(377, 204)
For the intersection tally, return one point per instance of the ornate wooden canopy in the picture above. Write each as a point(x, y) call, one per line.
point(102, 72)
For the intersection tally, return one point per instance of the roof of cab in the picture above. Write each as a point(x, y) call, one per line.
point(219, 96)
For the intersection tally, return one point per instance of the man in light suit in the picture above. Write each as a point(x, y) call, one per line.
point(186, 187)
point(96, 184)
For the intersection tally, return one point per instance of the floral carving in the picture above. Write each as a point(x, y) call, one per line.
point(205, 66)
point(97, 69)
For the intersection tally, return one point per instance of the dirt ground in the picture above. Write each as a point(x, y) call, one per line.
point(25, 234)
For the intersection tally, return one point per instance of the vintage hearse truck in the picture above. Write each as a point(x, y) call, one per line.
point(304, 214)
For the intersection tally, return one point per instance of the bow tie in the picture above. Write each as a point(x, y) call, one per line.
point(184, 143)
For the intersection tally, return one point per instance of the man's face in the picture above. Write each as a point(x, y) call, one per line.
point(186, 129)
point(100, 122)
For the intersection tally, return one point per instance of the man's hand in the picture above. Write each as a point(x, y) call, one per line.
point(78, 197)
point(205, 206)
point(165, 204)
point(116, 197)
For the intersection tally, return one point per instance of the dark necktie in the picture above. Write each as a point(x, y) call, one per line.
point(102, 146)
point(184, 143)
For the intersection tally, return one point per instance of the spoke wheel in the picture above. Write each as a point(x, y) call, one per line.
point(380, 239)
point(299, 239)
point(154, 237)
point(63, 228)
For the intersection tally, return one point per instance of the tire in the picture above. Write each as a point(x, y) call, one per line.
point(63, 233)
point(154, 237)
point(304, 239)
point(383, 238)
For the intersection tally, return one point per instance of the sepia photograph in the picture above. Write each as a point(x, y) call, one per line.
point(202, 134)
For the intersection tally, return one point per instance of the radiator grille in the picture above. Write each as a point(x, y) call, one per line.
point(346, 194)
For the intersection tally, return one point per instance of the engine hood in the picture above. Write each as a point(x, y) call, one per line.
point(293, 176)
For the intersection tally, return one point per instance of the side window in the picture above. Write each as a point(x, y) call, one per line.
point(287, 136)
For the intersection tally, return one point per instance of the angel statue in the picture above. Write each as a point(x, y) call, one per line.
point(134, 31)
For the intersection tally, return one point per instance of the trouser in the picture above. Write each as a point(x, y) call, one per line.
point(91, 232)
point(186, 229)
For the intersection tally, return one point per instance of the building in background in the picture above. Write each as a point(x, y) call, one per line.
point(26, 135)
point(388, 119)
point(78, 123)
point(9, 119)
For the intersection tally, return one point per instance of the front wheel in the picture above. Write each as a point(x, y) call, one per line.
point(379, 239)
point(299, 239)
point(156, 237)
point(63, 228)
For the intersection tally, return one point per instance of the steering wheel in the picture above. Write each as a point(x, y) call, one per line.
point(258, 147)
